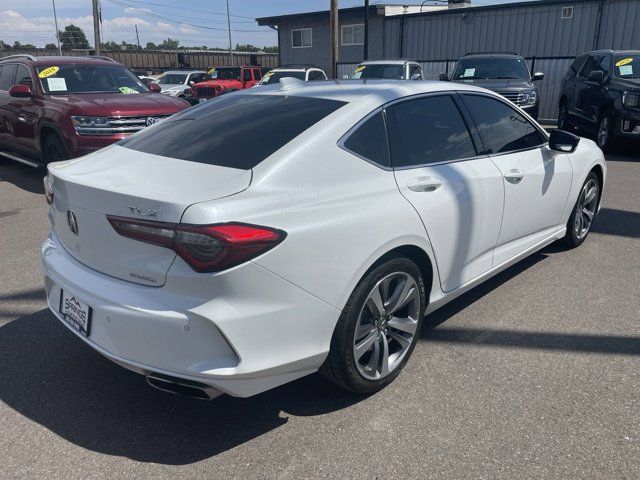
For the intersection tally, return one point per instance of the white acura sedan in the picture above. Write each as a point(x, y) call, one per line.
point(278, 231)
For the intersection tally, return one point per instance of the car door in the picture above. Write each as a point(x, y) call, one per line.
point(591, 91)
point(457, 193)
point(23, 114)
point(536, 179)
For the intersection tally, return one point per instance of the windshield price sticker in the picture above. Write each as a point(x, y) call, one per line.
point(360, 68)
point(127, 90)
point(47, 72)
point(57, 84)
point(624, 61)
point(626, 70)
point(469, 72)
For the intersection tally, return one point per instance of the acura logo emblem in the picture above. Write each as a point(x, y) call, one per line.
point(73, 222)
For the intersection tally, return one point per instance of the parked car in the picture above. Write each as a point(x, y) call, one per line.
point(177, 83)
point(147, 80)
point(53, 108)
point(308, 74)
point(389, 70)
point(599, 95)
point(221, 80)
point(504, 73)
point(314, 236)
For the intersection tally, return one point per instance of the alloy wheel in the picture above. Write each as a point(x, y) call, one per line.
point(386, 326)
point(586, 209)
point(603, 132)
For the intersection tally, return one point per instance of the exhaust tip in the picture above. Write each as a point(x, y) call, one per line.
point(182, 387)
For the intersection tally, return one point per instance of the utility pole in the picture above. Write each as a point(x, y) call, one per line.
point(137, 36)
point(96, 27)
point(366, 29)
point(333, 20)
point(229, 26)
point(55, 18)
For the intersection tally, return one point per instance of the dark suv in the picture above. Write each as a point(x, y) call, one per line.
point(504, 73)
point(53, 108)
point(600, 94)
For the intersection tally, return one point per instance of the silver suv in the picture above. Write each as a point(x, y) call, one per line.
point(307, 74)
point(389, 69)
point(177, 83)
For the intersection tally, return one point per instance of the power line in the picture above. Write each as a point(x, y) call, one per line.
point(189, 9)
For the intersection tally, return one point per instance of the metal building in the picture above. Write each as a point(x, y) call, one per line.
point(549, 33)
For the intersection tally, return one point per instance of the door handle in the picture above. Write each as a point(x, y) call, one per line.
point(425, 184)
point(514, 176)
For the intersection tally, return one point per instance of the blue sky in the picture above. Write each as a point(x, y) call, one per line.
point(31, 21)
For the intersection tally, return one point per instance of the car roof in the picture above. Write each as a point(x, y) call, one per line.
point(492, 55)
point(184, 71)
point(375, 92)
point(386, 62)
point(615, 52)
point(58, 60)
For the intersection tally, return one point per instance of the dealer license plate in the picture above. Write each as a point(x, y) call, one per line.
point(75, 312)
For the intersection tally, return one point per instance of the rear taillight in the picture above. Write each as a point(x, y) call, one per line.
point(48, 190)
point(206, 248)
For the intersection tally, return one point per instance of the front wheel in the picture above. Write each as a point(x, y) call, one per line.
point(584, 211)
point(378, 328)
point(54, 149)
point(606, 132)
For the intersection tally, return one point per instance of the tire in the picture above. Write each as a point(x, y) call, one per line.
point(356, 360)
point(581, 219)
point(605, 135)
point(564, 122)
point(53, 149)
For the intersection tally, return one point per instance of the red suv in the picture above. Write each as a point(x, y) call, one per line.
point(53, 108)
point(221, 80)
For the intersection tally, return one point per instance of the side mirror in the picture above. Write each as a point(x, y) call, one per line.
point(154, 87)
point(596, 76)
point(416, 76)
point(537, 76)
point(191, 82)
point(443, 77)
point(562, 141)
point(20, 91)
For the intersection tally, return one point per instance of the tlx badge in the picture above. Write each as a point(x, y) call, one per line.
point(143, 212)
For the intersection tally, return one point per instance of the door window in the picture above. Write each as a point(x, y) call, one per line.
point(415, 69)
point(23, 76)
point(427, 130)
point(247, 75)
point(594, 63)
point(316, 75)
point(369, 141)
point(503, 129)
point(6, 76)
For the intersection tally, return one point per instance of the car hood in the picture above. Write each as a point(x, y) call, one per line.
point(631, 83)
point(499, 84)
point(172, 86)
point(118, 104)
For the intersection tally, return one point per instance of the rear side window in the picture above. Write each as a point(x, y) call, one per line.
point(427, 130)
point(6, 76)
point(23, 76)
point(369, 141)
point(502, 128)
point(236, 131)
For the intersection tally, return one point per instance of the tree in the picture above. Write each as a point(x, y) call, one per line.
point(151, 46)
point(51, 46)
point(4, 46)
point(73, 37)
point(270, 49)
point(109, 45)
point(169, 44)
point(246, 48)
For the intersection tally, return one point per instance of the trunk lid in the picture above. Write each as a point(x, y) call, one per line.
point(126, 183)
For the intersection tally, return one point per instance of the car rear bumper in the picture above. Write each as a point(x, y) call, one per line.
point(250, 332)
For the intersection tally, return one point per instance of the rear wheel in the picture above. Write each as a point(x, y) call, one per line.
point(53, 149)
point(584, 211)
point(378, 328)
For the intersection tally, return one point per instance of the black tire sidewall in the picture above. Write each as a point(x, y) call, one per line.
point(53, 141)
point(342, 341)
point(570, 238)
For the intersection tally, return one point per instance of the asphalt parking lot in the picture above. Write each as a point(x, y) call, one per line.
point(535, 374)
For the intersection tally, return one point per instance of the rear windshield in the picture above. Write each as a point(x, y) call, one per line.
point(237, 131)
point(391, 72)
point(274, 77)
